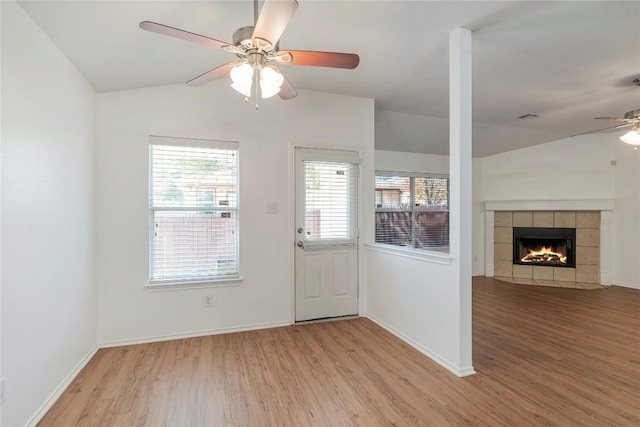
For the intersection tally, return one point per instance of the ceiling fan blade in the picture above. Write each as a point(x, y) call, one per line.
point(181, 34)
point(319, 59)
point(607, 129)
point(274, 18)
point(216, 73)
point(617, 119)
point(624, 125)
point(287, 91)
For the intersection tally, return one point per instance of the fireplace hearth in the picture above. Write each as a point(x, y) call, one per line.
point(547, 247)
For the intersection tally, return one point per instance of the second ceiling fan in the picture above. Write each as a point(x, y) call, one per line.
point(258, 52)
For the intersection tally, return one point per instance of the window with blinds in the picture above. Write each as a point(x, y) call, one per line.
point(412, 210)
point(193, 210)
point(330, 200)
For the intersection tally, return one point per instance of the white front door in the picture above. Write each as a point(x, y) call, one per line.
point(326, 233)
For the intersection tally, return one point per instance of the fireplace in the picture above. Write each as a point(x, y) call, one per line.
point(589, 251)
point(548, 247)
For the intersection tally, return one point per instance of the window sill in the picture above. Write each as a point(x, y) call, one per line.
point(432, 256)
point(186, 285)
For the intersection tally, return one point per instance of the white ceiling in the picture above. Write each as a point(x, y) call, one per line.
point(565, 61)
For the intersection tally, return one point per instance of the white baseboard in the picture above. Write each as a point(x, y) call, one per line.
point(626, 285)
point(168, 337)
point(422, 349)
point(48, 403)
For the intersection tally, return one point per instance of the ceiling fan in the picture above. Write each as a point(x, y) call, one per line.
point(631, 118)
point(258, 52)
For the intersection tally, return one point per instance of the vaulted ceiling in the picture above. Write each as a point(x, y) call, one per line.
point(566, 61)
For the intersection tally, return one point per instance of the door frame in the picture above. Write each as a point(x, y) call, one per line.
point(291, 220)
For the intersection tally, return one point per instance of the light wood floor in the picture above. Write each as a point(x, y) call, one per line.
point(543, 356)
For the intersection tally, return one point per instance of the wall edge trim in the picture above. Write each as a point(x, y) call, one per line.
point(626, 285)
point(57, 392)
point(459, 372)
point(419, 254)
point(550, 205)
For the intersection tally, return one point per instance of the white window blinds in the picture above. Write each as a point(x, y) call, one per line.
point(330, 200)
point(193, 210)
point(412, 210)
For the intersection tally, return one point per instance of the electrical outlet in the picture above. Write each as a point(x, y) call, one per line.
point(2, 390)
point(208, 301)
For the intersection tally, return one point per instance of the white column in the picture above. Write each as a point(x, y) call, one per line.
point(460, 221)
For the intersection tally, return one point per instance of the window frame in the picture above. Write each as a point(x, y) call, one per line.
point(412, 209)
point(199, 281)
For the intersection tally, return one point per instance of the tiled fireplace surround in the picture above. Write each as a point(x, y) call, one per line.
point(592, 221)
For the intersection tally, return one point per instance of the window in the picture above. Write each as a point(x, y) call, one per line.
point(330, 200)
point(412, 210)
point(193, 210)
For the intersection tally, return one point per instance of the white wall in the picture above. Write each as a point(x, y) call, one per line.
point(48, 290)
point(415, 299)
point(125, 120)
point(577, 168)
point(573, 168)
point(396, 161)
point(626, 268)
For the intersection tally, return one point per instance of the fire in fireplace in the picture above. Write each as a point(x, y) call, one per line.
point(551, 247)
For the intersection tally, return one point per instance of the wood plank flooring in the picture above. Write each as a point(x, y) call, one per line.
point(543, 356)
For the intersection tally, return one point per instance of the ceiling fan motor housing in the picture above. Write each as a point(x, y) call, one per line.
point(242, 37)
point(242, 34)
point(633, 114)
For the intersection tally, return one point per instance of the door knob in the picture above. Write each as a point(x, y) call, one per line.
point(300, 244)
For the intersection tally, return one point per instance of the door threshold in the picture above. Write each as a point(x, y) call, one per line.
point(327, 319)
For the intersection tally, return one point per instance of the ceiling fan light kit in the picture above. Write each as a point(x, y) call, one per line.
point(632, 118)
point(242, 78)
point(632, 137)
point(270, 81)
point(257, 48)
